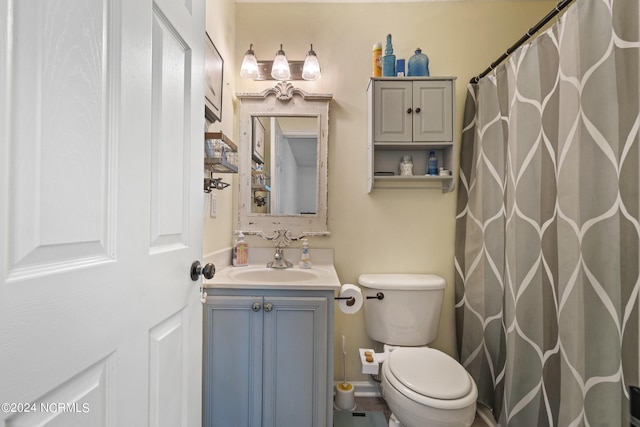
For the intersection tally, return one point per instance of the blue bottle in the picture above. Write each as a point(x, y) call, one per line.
point(432, 164)
point(419, 64)
point(389, 60)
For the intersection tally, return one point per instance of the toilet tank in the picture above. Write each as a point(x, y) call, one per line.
point(408, 313)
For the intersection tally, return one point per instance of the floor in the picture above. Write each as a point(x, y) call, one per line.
point(377, 404)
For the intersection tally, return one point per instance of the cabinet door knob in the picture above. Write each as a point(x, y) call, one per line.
point(268, 306)
point(256, 306)
point(409, 110)
point(417, 110)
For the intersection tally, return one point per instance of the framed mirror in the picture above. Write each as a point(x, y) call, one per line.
point(284, 133)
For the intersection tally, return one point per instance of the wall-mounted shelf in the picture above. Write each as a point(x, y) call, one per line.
point(260, 181)
point(411, 116)
point(221, 154)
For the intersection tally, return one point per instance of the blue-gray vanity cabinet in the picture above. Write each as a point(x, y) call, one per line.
point(268, 358)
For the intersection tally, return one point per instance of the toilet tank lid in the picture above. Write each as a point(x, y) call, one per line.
point(402, 281)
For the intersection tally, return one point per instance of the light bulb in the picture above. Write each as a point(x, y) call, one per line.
point(311, 68)
point(249, 68)
point(280, 69)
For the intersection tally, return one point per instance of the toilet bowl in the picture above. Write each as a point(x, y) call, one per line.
point(426, 387)
point(423, 387)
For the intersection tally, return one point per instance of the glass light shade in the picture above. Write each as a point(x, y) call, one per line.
point(249, 68)
point(311, 68)
point(280, 69)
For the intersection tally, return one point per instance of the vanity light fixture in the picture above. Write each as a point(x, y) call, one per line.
point(280, 68)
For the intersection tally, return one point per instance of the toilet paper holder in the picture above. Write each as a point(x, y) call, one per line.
point(352, 300)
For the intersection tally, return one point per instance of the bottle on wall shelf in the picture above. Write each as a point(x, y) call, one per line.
point(389, 60)
point(406, 166)
point(240, 253)
point(305, 258)
point(419, 64)
point(432, 164)
point(377, 55)
point(400, 68)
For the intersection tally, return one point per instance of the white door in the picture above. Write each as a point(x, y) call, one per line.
point(101, 119)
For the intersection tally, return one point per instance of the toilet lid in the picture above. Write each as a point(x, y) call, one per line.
point(429, 372)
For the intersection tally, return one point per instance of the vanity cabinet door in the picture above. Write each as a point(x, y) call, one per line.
point(233, 361)
point(295, 362)
point(266, 361)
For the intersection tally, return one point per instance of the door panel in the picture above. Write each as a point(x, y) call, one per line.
point(170, 135)
point(59, 114)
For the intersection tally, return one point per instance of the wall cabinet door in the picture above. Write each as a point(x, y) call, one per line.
point(393, 110)
point(433, 111)
point(266, 361)
point(419, 111)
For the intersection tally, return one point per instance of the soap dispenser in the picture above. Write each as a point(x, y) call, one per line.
point(240, 255)
point(305, 258)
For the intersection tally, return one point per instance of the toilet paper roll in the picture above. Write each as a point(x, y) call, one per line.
point(350, 306)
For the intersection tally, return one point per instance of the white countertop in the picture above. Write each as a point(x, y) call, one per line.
point(321, 276)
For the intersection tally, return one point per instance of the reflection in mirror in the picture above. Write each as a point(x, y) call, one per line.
point(285, 165)
point(284, 134)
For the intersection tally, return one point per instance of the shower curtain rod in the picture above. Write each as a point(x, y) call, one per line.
point(561, 5)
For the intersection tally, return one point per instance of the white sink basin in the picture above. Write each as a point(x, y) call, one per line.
point(321, 276)
point(274, 275)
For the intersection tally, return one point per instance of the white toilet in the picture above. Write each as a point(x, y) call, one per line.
point(423, 387)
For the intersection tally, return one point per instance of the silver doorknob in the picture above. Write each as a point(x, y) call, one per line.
point(208, 271)
point(268, 306)
point(255, 306)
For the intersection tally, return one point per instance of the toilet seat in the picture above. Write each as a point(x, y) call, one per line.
point(429, 377)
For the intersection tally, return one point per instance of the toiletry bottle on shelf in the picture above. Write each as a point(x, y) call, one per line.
point(419, 64)
point(240, 256)
point(305, 258)
point(432, 164)
point(389, 60)
point(377, 55)
point(406, 166)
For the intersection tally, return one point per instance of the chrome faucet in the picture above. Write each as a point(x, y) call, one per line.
point(279, 260)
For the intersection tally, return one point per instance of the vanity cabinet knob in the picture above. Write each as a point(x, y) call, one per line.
point(417, 110)
point(268, 306)
point(256, 306)
point(409, 110)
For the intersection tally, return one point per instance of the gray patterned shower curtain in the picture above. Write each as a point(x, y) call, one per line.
point(548, 224)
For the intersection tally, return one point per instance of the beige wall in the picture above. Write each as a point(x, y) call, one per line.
point(387, 230)
point(221, 27)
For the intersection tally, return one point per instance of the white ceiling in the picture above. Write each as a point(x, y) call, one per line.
point(371, 1)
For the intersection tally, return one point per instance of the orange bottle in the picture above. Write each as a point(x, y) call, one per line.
point(377, 56)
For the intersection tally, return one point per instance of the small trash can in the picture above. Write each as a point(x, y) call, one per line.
point(634, 405)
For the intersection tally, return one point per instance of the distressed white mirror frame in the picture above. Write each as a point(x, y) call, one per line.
point(282, 100)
